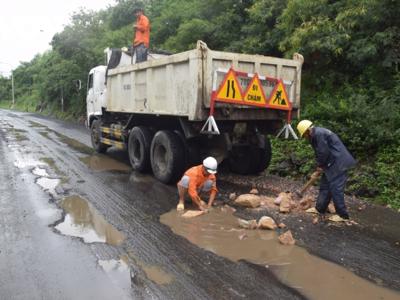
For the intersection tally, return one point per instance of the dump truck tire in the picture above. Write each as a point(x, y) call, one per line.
point(241, 159)
point(264, 156)
point(95, 137)
point(167, 156)
point(139, 148)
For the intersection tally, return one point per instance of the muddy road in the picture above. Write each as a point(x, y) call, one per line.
point(76, 225)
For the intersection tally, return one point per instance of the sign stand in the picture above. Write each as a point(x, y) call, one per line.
point(231, 92)
point(287, 129)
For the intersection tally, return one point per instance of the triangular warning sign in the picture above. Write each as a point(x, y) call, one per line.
point(279, 98)
point(230, 90)
point(254, 94)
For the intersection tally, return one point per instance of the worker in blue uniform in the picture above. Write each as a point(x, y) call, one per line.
point(333, 162)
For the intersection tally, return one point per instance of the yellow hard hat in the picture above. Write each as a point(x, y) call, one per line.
point(303, 126)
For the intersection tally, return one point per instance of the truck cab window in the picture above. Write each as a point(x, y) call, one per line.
point(90, 81)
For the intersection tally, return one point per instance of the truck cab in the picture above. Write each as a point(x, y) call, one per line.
point(97, 92)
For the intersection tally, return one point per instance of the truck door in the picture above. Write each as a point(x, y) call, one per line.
point(96, 95)
point(90, 95)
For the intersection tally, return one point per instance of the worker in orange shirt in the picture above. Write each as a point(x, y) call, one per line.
point(141, 39)
point(197, 179)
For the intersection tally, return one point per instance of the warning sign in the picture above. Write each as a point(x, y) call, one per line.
point(230, 90)
point(279, 98)
point(254, 94)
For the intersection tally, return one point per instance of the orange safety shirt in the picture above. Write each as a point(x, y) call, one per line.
point(197, 180)
point(142, 34)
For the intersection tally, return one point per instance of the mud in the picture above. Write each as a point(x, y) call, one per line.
point(83, 221)
point(98, 162)
point(367, 249)
point(316, 278)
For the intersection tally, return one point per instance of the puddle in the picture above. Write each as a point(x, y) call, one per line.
point(104, 163)
point(82, 220)
point(118, 271)
point(35, 124)
point(153, 272)
point(21, 163)
point(316, 278)
point(40, 172)
point(48, 184)
point(137, 177)
point(157, 275)
point(78, 146)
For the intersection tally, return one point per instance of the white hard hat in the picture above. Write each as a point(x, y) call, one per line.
point(210, 164)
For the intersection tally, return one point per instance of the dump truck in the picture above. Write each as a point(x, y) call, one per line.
point(172, 111)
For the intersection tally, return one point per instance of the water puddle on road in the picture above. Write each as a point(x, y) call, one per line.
point(153, 272)
point(82, 220)
point(316, 278)
point(22, 162)
point(118, 271)
point(40, 172)
point(48, 184)
point(104, 163)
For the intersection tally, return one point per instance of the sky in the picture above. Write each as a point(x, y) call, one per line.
point(27, 26)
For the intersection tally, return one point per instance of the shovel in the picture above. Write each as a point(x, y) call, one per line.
point(310, 182)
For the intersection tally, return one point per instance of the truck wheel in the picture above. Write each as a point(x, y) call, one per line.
point(167, 156)
point(95, 137)
point(242, 159)
point(139, 148)
point(264, 154)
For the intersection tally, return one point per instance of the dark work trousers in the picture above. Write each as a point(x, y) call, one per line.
point(334, 190)
point(141, 53)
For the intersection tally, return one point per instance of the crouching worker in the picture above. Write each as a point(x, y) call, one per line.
point(198, 179)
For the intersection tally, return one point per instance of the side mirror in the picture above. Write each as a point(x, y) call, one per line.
point(78, 84)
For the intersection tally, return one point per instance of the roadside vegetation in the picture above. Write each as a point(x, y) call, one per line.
point(350, 81)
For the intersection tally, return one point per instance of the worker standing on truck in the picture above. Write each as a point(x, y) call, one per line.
point(333, 160)
point(141, 40)
point(197, 179)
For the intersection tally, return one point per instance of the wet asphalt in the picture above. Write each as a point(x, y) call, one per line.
point(38, 261)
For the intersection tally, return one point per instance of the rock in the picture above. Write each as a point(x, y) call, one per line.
point(232, 196)
point(306, 203)
point(312, 210)
point(293, 204)
point(227, 208)
point(315, 220)
point(331, 208)
point(281, 225)
point(361, 207)
point(267, 223)
point(242, 236)
point(247, 224)
point(336, 218)
point(287, 238)
point(278, 200)
point(192, 213)
point(285, 202)
point(254, 191)
point(248, 200)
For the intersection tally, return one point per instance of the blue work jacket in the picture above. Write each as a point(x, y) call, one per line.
point(331, 155)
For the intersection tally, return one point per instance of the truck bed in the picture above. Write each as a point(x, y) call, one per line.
point(182, 84)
